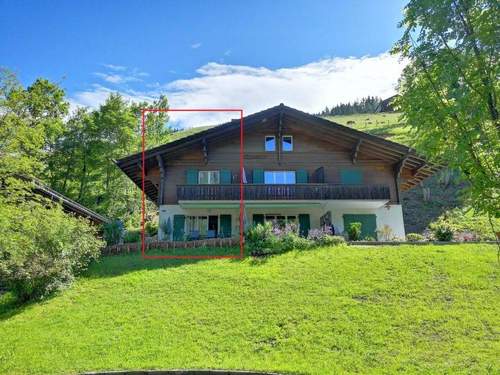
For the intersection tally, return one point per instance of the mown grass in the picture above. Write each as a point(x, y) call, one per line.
point(426, 309)
point(385, 125)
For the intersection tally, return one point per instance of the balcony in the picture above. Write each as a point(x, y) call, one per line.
point(282, 192)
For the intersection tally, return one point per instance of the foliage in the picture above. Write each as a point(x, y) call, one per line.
point(30, 120)
point(151, 228)
point(354, 231)
point(467, 224)
point(415, 237)
point(265, 239)
point(132, 236)
point(323, 237)
point(442, 232)
point(292, 310)
point(113, 232)
point(260, 239)
point(449, 90)
point(368, 104)
point(42, 249)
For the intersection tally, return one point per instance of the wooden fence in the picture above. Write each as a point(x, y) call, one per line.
point(161, 245)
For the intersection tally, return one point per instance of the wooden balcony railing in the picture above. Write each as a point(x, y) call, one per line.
point(282, 192)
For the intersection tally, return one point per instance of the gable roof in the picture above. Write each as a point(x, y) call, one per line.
point(403, 157)
point(67, 204)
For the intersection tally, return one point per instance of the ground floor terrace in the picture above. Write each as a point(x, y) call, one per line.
point(191, 220)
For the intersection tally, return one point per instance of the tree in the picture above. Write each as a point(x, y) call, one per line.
point(41, 247)
point(449, 89)
point(31, 119)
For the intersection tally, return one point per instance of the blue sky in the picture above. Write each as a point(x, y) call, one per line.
point(249, 54)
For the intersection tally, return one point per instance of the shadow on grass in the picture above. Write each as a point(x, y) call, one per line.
point(10, 305)
point(115, 265)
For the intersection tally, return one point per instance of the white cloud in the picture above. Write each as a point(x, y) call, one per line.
point(196, 45)
point(309, 87)
point(116, 78)
point(124, 76)
point(117, 68)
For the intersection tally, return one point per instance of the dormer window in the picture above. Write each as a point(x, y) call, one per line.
point(270, 143)
point(287, 143)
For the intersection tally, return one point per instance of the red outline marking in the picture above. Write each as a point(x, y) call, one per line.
point(143, 199)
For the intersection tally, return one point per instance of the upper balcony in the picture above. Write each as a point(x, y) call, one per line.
point(253, 192)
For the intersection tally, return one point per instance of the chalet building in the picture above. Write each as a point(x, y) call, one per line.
point(297, 168)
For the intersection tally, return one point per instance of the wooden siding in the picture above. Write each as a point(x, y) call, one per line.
point(309, 153)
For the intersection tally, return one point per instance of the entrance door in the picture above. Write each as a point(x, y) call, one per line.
point(225, 225)
point(213, 226)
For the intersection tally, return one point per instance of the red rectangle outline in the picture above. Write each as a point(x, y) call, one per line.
point(143, 199)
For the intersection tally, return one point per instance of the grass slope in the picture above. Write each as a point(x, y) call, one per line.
point(428, 309)
point(385, 125)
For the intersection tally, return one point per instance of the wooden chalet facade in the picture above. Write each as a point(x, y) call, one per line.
point(297, 167)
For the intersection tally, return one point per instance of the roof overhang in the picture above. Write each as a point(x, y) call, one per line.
point(413, 167)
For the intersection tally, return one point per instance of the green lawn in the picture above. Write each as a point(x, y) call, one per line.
point(427, 309)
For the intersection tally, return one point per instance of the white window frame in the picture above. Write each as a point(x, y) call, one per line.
point(283, 143)
point(265, 143)
point(274, 178)
point(211, 179)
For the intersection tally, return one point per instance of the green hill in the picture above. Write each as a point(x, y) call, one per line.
point(414, 309)
point(385, 125)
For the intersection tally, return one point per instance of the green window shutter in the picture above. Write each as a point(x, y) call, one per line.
point(304, 224)
point(368, 224)
point(258, 176)
point(178, 234)
point(258, 219)
point(225, 225)
point(225, 176)
point(351, 176)
point(301, 176)
point(191, 176)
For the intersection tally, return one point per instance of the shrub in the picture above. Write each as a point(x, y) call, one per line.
point(443, 232)
point(324, 237)
point(415, 237)
point(330, 240)
point(132, 236)
point(318, 235)
point(261, 240)
point(151, 229)
point(467, 224)
point(42, 249)
point(354, 231)
point(290, 241)
point(113, 232)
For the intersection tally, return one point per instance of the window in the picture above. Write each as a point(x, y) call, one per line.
point(197, 226)
point(279, 177)
point(287, 143)
point(270, 143)
point(208, 177)
point(280, 220)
